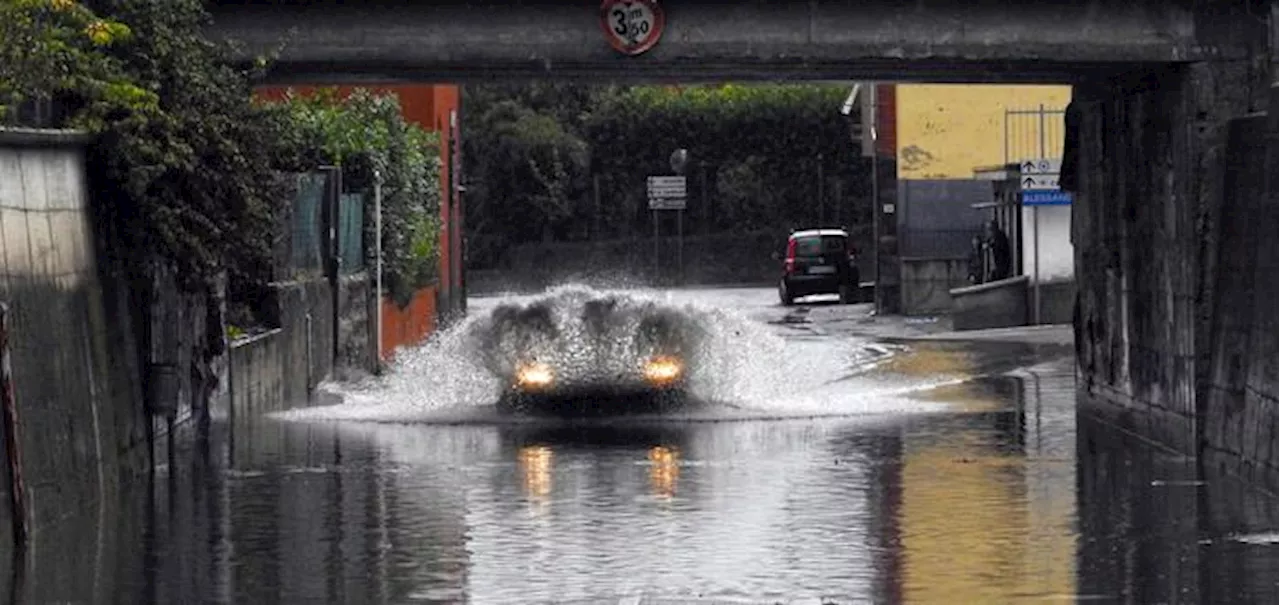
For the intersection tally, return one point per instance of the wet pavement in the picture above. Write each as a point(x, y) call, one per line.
point(986, 489)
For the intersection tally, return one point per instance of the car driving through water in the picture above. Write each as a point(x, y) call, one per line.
point(601, 355)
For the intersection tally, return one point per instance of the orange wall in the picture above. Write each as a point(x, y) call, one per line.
point(410, 325)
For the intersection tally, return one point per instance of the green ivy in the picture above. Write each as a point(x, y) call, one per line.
point(367, 133)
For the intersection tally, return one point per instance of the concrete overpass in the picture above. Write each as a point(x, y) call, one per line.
point(1174, 129)
point(934, 40)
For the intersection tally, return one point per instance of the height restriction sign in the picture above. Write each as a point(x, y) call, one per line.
point(632, 26)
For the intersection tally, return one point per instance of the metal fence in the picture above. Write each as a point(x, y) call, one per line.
point(1033, 133)
point(351, 232)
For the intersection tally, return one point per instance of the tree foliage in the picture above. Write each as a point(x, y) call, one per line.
point(367, 135)
point(53, 49)
point(197, 178)
point(760, 148)
point(534, 171)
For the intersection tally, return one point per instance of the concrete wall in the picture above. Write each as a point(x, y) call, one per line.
point(81, 425)
point(280, 369)
point(355, 322)
point(927, 284)
point(937, 217)
point(1057, 301)
point(997, 304)
point(1239, 400)
point(258, 374)
point(1152, 228)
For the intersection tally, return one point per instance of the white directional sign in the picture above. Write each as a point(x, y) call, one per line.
point(667, 192)
point(667, 186)
point(1039, 174)
point(1042, 166)
point(1039, 181)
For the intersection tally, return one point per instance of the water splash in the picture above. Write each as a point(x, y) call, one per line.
point(740, 367)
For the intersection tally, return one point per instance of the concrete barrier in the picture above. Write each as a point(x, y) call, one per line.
point(257, 374)
point(280, 369)
point(927, 284)
point(997, 304)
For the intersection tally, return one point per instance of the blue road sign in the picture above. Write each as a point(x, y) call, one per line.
point(1050, 197)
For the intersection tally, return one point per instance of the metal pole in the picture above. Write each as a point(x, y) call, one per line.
point(1035, 244)
point(1035, 219)
point(1006, 136)
point(875, 201)
point(654, 213)
point(822, 208)
point(1042, 142)
point(377, 279)
point(595, 226)
point(17, 489)
point(706, 204)
point(680, 247)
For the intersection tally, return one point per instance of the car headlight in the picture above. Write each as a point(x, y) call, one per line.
point(534, 375)
point(663, 370)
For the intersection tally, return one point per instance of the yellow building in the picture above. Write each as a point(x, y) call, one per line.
point(944, 131)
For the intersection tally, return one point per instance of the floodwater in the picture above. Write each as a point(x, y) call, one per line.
point(837, 470)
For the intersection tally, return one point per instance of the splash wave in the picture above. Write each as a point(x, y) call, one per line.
point(741, 368)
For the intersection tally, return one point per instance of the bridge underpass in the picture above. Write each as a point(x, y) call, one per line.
point(1174, 220)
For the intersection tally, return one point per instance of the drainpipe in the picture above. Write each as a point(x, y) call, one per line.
point(13, 453)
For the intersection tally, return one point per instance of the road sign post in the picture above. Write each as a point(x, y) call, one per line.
point(1039, 183)
point(668, 193)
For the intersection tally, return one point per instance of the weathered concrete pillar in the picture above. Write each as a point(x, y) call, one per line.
point(1148, 230)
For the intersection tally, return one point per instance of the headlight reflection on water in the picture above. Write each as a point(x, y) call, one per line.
point(664, 470)
point(536, 464)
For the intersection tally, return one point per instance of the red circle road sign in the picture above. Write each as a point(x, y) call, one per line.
point(632, 26)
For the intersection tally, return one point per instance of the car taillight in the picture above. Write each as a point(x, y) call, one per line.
point(790, 264)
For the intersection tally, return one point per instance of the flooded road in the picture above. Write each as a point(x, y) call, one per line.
point(949, 472)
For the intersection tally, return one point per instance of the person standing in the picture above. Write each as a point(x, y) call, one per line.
point(999, 253)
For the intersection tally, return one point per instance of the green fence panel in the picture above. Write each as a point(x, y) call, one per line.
point(351, 232)
point(305, 240)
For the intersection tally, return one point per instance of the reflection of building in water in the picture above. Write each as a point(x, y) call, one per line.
point(664, 470)
point(980, 517)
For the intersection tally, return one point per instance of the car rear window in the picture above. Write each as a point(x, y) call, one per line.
point(814, 245)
